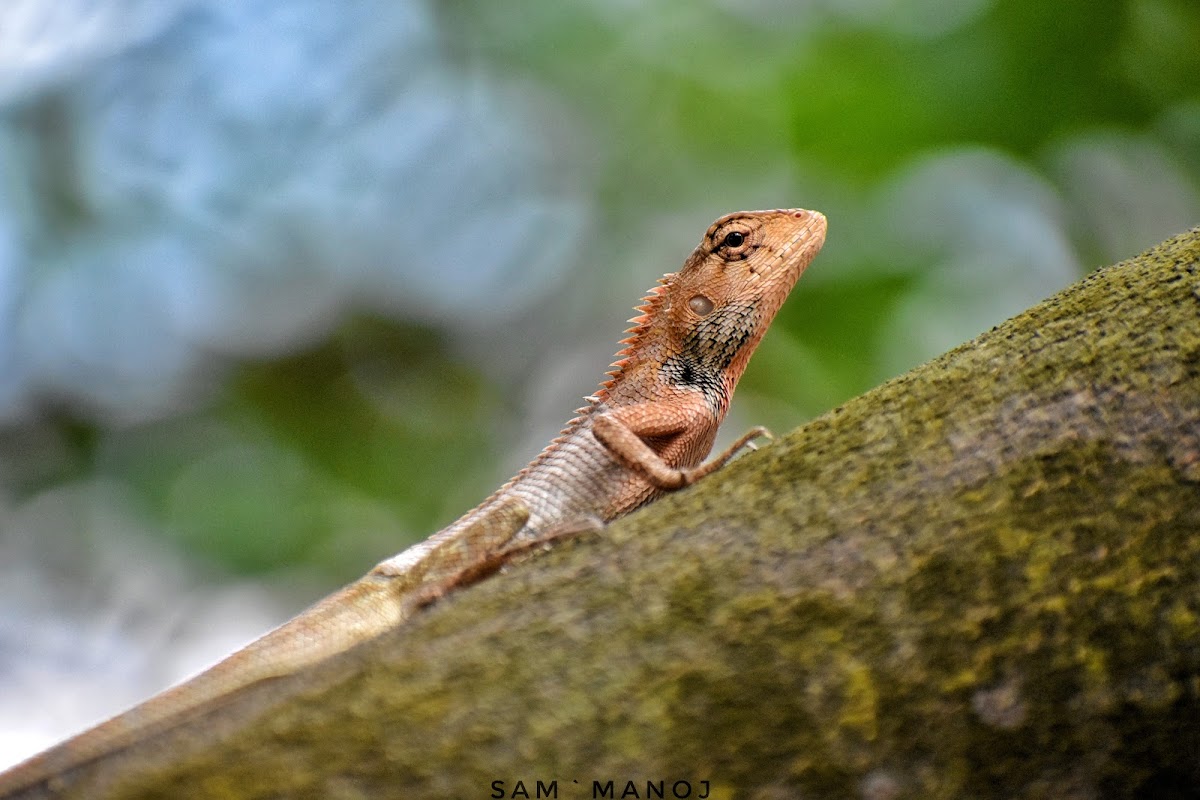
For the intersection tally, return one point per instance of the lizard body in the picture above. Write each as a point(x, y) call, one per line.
point(646, 431)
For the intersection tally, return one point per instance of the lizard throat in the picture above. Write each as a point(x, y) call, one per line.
point(709, 353)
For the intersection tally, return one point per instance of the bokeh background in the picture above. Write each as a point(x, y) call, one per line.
point(285, 285)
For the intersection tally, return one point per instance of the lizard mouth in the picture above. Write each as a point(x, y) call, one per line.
point(791, 258)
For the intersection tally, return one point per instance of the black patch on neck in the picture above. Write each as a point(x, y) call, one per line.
point(708, 350)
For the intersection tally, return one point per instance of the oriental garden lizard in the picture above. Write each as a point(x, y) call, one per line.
point(646, 431)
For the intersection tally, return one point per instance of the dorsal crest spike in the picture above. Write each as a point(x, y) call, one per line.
point(646, 310)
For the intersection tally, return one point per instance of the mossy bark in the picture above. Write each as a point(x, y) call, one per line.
point(981, 579)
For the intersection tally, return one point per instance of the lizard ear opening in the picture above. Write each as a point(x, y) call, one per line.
point(701, 305)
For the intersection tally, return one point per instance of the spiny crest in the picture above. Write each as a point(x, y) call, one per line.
point(646, 311)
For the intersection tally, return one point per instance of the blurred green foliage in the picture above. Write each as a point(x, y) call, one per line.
point(344, 452)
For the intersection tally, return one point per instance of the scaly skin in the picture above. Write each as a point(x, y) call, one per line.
point(645, 432)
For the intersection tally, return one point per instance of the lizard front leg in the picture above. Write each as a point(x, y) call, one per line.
point(624, 431)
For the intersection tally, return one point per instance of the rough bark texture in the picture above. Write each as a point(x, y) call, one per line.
point(981, 579)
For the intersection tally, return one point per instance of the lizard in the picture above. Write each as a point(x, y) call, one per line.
point(645, 431)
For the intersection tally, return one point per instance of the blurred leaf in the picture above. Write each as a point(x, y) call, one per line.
point(866, 100)
point(821, 351)
point(253, 506)
point(384, 410)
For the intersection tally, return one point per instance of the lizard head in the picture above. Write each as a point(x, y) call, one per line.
point(720, 304)
point(699, 326)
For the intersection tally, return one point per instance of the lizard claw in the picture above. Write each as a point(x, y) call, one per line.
point(748, 442)
point(762, 433)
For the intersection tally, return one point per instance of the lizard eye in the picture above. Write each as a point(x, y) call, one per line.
point(734, 239)
point(701, 305)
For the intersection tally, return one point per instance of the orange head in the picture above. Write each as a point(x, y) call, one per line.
point(700, 325)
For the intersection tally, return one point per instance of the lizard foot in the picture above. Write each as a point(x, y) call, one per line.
point(498, 559)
